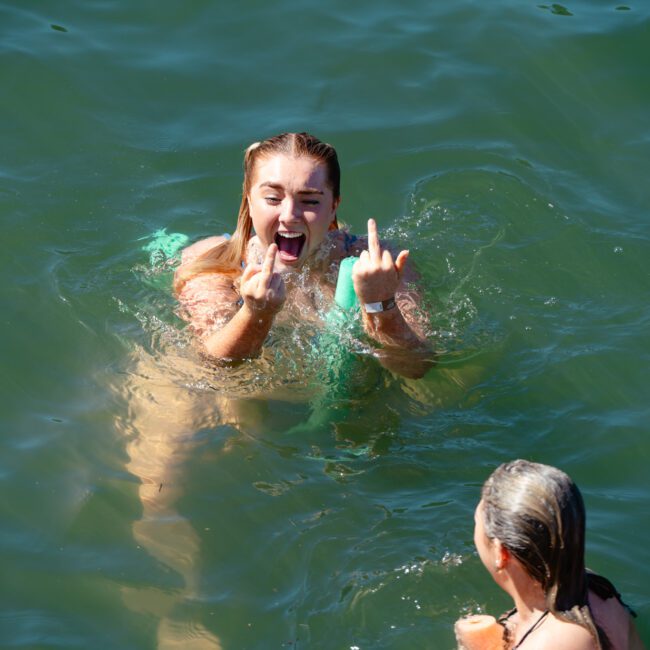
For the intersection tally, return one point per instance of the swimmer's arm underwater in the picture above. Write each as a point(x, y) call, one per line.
point(377, 278)
point(403, 350)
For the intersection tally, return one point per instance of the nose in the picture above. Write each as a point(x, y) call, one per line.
point(290, 210)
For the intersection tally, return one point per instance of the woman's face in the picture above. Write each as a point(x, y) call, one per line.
point(292, 205)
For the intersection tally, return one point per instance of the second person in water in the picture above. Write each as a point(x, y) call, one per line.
point(530, 536)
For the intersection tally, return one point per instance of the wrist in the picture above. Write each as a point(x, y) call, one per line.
point(381, 318)
point(255, 315)
point(380, 306)
point(391, 330)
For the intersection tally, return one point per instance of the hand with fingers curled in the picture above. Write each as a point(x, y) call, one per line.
point(262, 289)
point(376, 276)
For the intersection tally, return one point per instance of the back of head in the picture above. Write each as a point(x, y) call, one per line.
point(536, 511)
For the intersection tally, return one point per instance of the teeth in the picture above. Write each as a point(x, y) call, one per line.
point(290, 235)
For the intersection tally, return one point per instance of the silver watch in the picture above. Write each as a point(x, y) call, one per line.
point(377, 307)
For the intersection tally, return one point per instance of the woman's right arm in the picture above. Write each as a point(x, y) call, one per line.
point(227, 330)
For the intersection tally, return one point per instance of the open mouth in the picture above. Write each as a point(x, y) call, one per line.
point(290, 245)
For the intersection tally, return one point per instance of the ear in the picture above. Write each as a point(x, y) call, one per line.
point(501, 555)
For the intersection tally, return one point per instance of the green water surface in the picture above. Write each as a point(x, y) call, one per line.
point(506, 144)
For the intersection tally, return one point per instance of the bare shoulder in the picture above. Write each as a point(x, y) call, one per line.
point(208, 300)
point(196, 249)
point(561, 635)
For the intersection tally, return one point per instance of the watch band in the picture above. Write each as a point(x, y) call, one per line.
point(377, 307)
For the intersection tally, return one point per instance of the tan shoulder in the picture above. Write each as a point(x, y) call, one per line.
point(196, 249)
point(561, 635)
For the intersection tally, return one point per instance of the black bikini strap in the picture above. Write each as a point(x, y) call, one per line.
point(504, 617)
point(531, 629)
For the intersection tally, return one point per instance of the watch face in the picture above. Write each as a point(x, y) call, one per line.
point(376, 307)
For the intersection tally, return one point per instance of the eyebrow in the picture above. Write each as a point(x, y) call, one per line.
point(277, 186)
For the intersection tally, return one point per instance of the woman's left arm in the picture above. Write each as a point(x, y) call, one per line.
point(388, 309)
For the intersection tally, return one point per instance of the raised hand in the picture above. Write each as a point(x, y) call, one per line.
point(262, 289)
point(375, 275)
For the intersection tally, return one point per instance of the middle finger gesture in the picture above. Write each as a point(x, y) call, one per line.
point(376, 275)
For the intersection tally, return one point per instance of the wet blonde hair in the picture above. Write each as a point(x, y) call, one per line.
point(536, 511)
point(227, 256)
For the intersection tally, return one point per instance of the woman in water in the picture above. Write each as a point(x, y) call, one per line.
point(530, 536)
point(285, 250)
point(278, 269)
